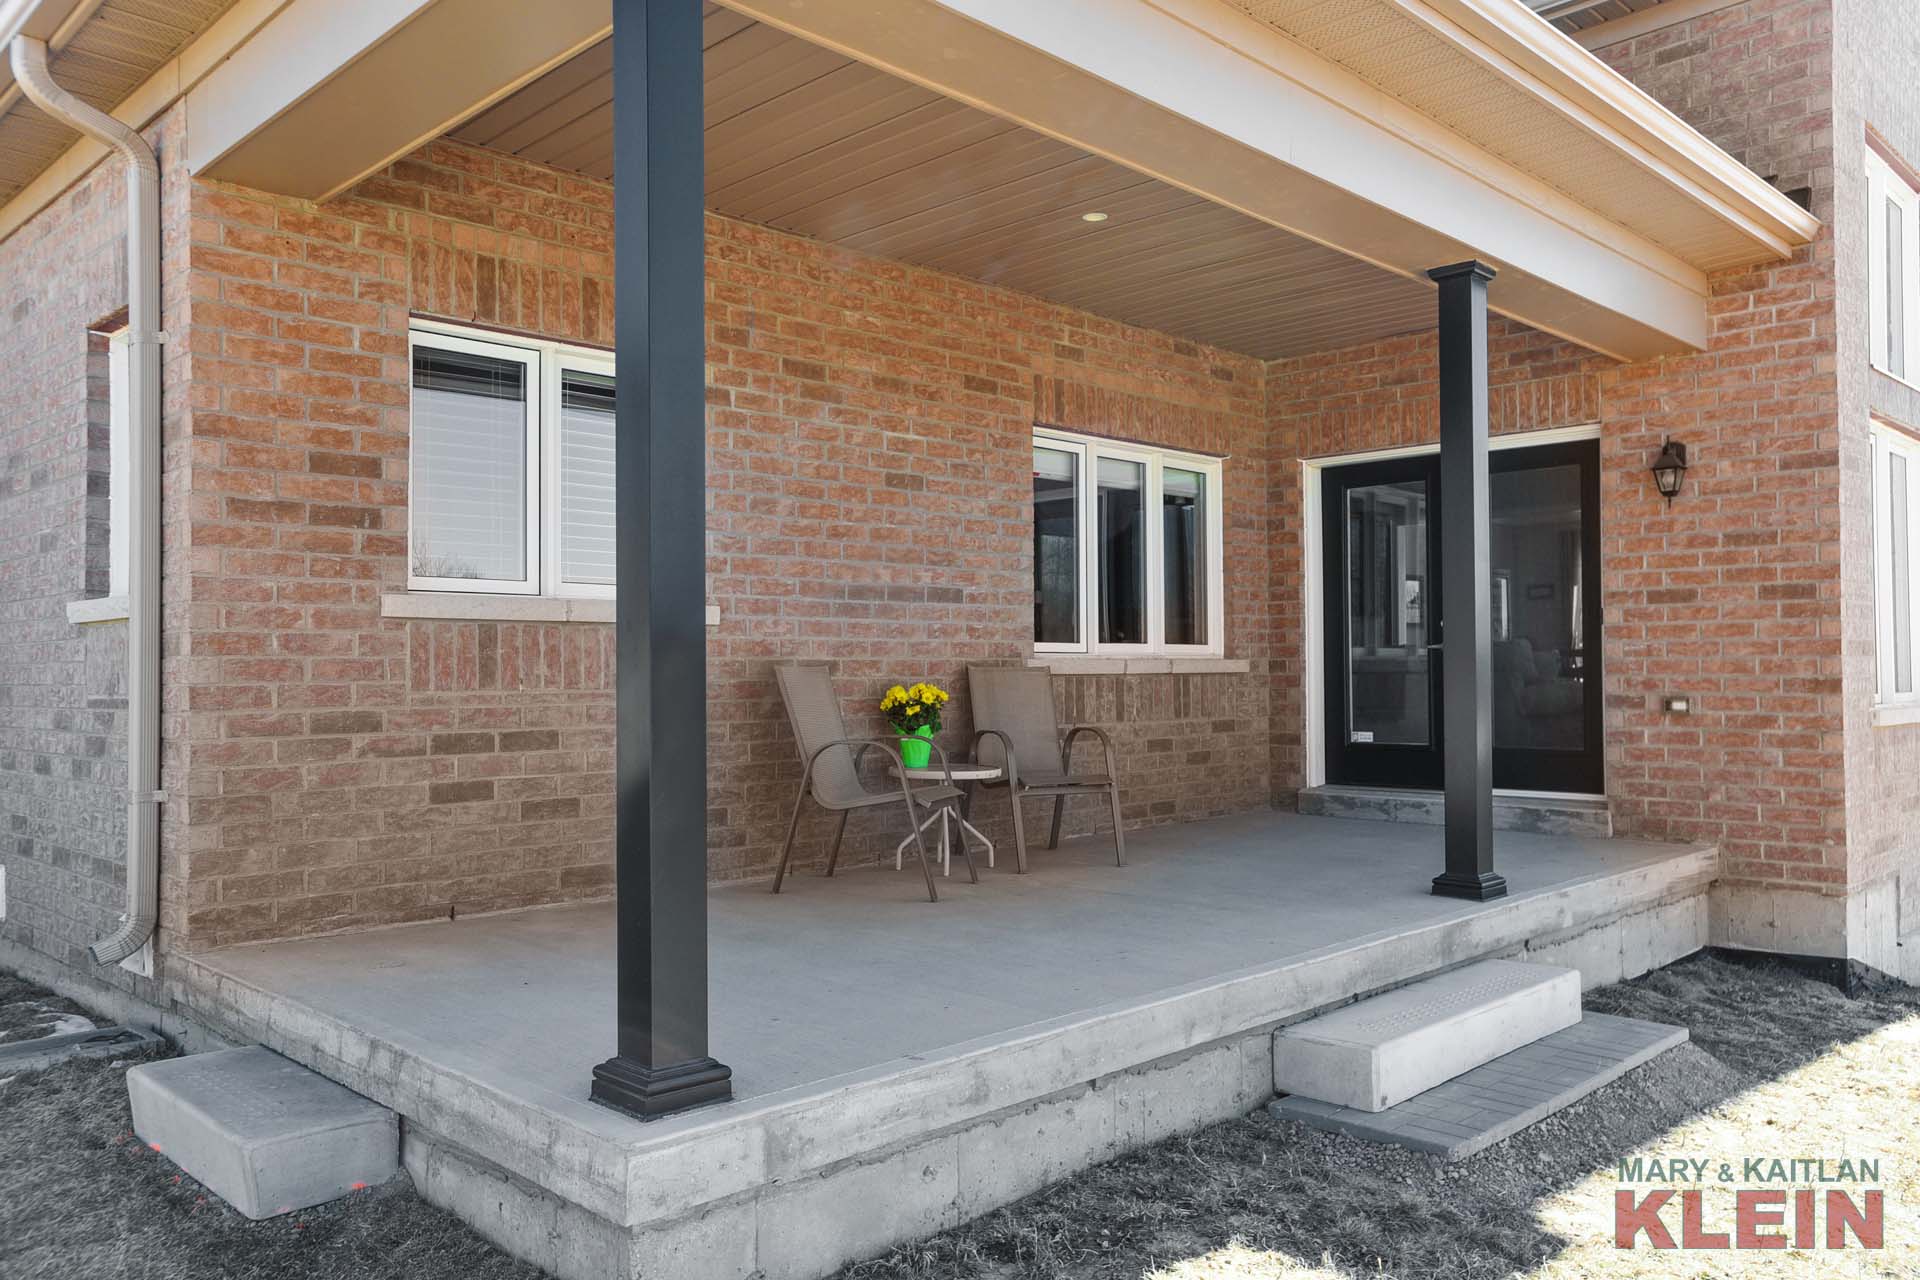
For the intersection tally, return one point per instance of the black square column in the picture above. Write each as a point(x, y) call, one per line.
point(1465, 585)
point(660, 828)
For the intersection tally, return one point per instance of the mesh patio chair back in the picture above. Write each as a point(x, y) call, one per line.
point(1018, 701)
point(814, 713)
point(831, 774)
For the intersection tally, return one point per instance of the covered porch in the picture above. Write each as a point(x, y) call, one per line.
point(1256, 178)
point(900, 1065)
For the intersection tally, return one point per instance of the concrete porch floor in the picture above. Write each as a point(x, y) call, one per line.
point(860, 1018)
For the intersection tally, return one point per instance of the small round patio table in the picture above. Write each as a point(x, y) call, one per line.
point(964, 775)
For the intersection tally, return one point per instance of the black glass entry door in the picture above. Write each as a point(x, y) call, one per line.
point(1383, 629)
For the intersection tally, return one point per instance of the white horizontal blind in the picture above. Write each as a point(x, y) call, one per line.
point(586, 477)
point(470, 483)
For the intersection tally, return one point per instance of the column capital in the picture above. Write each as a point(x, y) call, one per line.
point(1471, 267)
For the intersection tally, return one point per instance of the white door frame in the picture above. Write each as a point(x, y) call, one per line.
point(1313, 605)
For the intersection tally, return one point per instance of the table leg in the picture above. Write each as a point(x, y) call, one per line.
point(966, 826)
point(900, 850)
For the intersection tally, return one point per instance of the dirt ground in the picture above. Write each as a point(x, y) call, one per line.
point(1778, 1065)
point(82, 1199)
point(27, 1012)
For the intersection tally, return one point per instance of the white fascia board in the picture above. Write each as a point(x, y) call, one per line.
point(1550, 65)
point(1201, 96)
point(333, 90)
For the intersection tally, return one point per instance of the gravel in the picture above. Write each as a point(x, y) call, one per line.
point(82, 1199)
point(1778, 1062)
point(1259, 1198)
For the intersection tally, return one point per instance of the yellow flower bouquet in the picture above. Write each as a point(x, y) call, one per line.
point(914, 713)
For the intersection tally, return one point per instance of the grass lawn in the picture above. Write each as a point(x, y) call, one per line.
point(1779, 1065)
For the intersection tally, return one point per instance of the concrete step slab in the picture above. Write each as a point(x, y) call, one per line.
point(265, 1134)
point(1473, 1111)
point(1383, 1050)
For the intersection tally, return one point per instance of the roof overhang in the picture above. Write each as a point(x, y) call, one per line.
point(1603, 212)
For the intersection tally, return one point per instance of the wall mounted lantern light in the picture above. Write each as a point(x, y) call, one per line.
point(1669, 469)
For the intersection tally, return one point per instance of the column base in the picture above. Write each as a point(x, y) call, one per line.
point(1476, 886)
point(647, 1092)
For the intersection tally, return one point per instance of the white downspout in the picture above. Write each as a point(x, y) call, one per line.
point(29, 57)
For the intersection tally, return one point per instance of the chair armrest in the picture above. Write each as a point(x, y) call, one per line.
point(1006, 745)
point(1106, 745)
point(888, 749)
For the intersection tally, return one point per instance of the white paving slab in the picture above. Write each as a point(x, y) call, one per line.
point(266, 1135)
point(1384, 1050)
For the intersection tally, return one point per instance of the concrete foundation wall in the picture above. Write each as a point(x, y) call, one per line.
point(807, 1226)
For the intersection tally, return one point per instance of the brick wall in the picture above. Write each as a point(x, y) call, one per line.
point(1876, 48)
point(63, 687)
point(1732, 595)
point(1768, 766)
point(329, 767)
point(869, 434)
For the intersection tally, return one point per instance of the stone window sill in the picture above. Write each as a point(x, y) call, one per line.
point(98, 609)
point(1074, 664)
point(464, 606)
point(1888, 714)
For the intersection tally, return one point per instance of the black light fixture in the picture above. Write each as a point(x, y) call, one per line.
point(1669, 469)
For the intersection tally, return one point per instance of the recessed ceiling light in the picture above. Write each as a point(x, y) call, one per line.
point(1095, 216)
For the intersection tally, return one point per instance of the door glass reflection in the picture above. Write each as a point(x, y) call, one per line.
point(1388, 611)
point(1539, 645)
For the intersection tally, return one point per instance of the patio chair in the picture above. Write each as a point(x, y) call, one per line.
point(832, 772)
point(1015, 728)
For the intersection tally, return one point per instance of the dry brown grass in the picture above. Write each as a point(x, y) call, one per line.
point(1778, 1064)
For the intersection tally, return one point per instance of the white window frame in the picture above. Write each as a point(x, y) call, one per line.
point(1090, 449)
point(119, 465)
point(1884, 184)
point(1886, 443)
point(561, 361)
point(546, 364)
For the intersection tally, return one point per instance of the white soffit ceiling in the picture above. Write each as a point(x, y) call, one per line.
point(810, 141)
point(108, 55)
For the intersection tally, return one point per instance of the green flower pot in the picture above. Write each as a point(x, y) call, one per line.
point(915, 748)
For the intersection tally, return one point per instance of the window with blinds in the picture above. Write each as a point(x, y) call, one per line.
point(510, 465)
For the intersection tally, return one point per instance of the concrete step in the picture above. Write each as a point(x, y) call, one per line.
point(265, 1134)
point(1386, 1049)
point(1543, 815)
point(1473, 1111)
